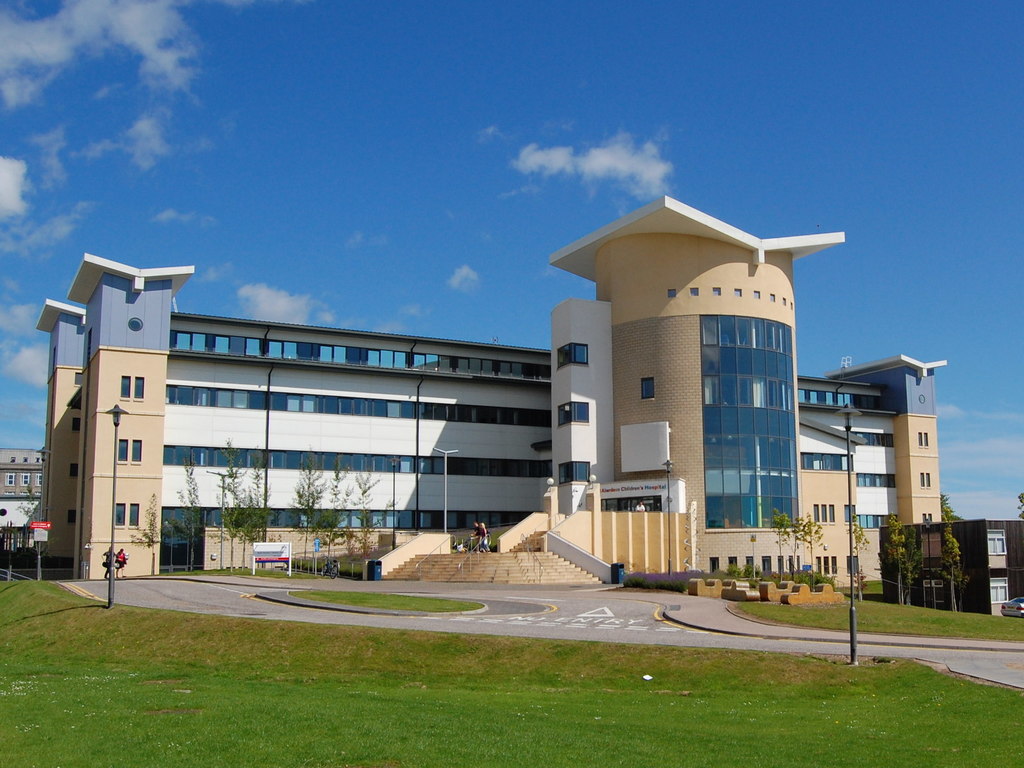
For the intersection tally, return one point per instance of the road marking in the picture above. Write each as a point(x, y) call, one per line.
point(597, 612)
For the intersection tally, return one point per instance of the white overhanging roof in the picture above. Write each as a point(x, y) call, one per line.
point(668, 216)
point(889, 363)
point(93, 268)
point(52, 310)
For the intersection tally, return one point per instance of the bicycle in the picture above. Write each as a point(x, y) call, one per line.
point(330, 569)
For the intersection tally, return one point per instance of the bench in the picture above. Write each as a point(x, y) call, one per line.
point(822, 594)
point(739, 592)
point(704, 587)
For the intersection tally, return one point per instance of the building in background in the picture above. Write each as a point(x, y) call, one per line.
point(670, 401)
point(22, 472)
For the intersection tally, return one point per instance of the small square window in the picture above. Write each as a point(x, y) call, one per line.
point(671, 293)
point(716, 291)
point(737, 292)
point(771, 297)
point(695, 291)
point(647, 388)
point(757, 294)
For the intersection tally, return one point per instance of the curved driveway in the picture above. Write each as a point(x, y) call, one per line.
point(596, 613)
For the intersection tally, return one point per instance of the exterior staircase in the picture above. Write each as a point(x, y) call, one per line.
point(525, 567)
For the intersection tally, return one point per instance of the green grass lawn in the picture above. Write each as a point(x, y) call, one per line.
point(888, 618)
point(390, 602)
point(84, 686)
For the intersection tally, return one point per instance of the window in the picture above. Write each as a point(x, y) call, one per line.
point(133, 515)
point(76, 423)
point(716, 291)
point(926, 479)
point(119, 514)
point(26, 479)
point(10, 479)
point(574, 471)
point(922, 439)
point(737, 292)
point(671, 293)
point(573, 354)
point(695, 291)
point(647, 388)
point(871, 480)
point(72, 516)
point(573, 412)
point(140, 388)
point(834, 462)
point(757, 294)
point(126, 386)
point(73, 470)
point(713, 564)
point(996, 542)
point(122, 450)
point(999, 589)
point(136, 450)
point(733, 561)
point(38, 480)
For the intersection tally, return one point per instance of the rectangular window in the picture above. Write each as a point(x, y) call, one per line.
point(573, 412)
point(574, 471)
point(737, 292)
point(996, 542)
point(573, 354)
point(126, 386)
point(133, 515)
point(716, 291)
point(671, 293)
point(136, 450)
point(38, 480)
point(713, 564)
point(922, 439)
point(26, 479)
point(832, 515)
point(119, 514)
point(999, 589)
point(122, 450)
point(647, 388)
point(73, 470)
point(695, 291)
point(72, 516)
point(140, 388)
point(926, 479)
point(76, 423)
point(10, 478)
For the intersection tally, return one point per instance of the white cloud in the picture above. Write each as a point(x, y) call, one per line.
point(173, 216)
point(360, 240)
point(490, 133)
point(27, 237)
point(464, 279)
point(19, 319)
point(261, 302)
point(215, 273)
point(12, 187)
point(34, 51)
point(51, 144)
point(27, 364)
point(144, 142)
point(639, 170)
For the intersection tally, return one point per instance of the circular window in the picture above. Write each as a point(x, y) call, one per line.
point(135, 324)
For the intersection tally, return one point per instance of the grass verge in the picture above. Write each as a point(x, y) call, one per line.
point(389, 602)
point(888, 618)
point(84, 686)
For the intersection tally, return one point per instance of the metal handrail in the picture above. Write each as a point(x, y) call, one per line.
point(422, 560)
point(538, 565)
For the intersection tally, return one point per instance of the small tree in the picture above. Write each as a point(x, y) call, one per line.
point(360, 540)
point(253, 512)
point(339, 493)
point(783, 527)
point(232, 514)
point(1020, 505)
point(309, 495)
point(948, 514)
point(190, 524)
point(30, 507)
point(808, 531)
point(903, 554)
point(952, 567)
point(149, 534)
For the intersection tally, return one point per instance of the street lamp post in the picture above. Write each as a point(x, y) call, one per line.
point(446, 454)
point(848, 413)
point(668, 509)
point(394, 503)
point(115, 413)
point(222, 476)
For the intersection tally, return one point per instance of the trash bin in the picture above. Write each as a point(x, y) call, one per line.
point(373, 570)
point(618, 573)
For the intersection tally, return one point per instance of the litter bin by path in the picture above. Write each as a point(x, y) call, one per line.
point(618, 573)
point(373, 570)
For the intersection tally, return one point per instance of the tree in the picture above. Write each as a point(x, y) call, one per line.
point(951, 566)
point(361, 539)
point(232, 515)
point(807, 531)
point(860, 544)
point(309, 495)
point(190, 524)
point(253, 511)
point(30, 507)
point(149, 534)
point(903, 554)
point(1020, 505)
point(948, 515)
point(783, 527)
point(339, 493)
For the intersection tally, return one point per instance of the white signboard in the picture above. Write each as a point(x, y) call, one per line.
point(272, 552)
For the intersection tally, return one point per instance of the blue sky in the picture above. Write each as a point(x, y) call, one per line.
point(409, 167)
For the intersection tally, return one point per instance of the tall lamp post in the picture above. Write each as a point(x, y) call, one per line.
point(223, 477)
point(668, 509)
point(446, 454)
point(115, 413)
point(394, 503)
point(848, 413)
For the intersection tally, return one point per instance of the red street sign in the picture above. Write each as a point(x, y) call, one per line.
point(41, 524)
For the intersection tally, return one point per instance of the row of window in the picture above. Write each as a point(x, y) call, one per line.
point(748, 452)
point(824, 513)
point(838, 399)
point(736, 292)
point(123, 453)
point(133, 386)
point(873, 480)
point(133, 514)
point(829, 462)
point(26, 479)
point(355, 406)
point(573, 412)
point(739, 331)
point(180, 455)
point(247, 346)
point(24, 460)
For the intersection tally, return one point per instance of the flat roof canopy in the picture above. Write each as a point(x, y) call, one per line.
point(93, 268)
point(668, 216)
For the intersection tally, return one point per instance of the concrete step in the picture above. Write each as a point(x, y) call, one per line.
point(493, 567)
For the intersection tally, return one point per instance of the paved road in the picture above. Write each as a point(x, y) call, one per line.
point(595, 613)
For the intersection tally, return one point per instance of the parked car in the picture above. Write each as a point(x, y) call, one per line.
point(1013, 607)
